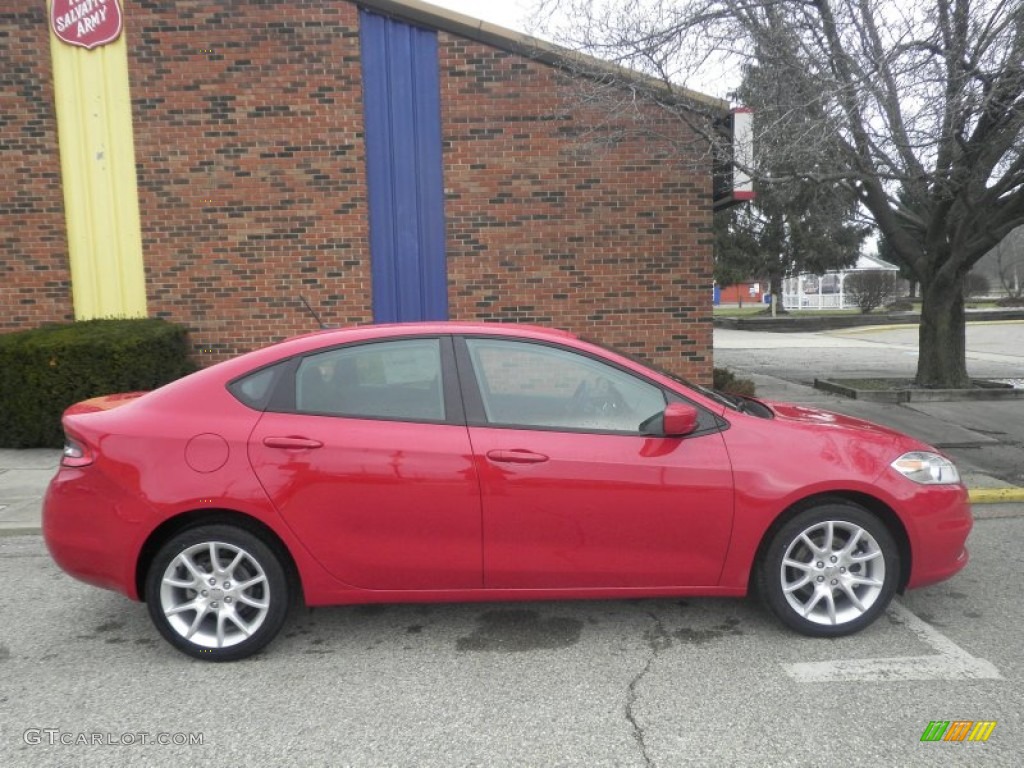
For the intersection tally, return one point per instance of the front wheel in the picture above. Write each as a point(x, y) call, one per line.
point(830, 571)
point(217, 592)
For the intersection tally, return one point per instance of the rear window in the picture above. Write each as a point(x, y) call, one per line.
point(380, 380)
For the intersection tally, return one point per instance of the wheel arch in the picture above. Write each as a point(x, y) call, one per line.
point(872, 504)
point(200, 517)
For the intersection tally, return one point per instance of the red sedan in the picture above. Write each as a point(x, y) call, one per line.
point(455, 461)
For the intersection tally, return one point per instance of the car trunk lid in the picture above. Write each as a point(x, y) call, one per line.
point(102, 403)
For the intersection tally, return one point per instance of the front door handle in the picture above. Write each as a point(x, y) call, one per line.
point(291, 442)
point(517, 456)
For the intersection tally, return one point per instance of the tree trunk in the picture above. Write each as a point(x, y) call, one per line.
point(775, 289)
point(942, 350)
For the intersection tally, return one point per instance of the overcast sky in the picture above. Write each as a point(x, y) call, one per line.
point(516, 15)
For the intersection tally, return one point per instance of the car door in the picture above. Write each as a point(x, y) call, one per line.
point(369, 462)
point(574, 496)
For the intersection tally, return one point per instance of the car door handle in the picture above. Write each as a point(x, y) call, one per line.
point(291, 442)
point(517, 456)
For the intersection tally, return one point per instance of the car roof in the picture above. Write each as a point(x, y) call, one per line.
point(354, 333)
point(221, 373)
point(444, 326)
point(342, 335)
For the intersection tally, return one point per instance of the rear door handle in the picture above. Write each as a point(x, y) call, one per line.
point(291, 442)
point(517, 456)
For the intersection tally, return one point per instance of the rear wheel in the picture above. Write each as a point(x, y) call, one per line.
point(217, 592)
point(831, 570)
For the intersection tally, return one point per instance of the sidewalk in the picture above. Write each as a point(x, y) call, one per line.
point(25, 474)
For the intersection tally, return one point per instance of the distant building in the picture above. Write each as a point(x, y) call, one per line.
point(828, 291)
point(741, 293)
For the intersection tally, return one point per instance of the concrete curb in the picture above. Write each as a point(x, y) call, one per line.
point(1017, 319)
point(995, 495)
point(25, 530)
point(793, 323)
point(910, 394)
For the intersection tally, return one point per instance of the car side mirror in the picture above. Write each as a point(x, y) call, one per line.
point(680, 419)
point(677, 420)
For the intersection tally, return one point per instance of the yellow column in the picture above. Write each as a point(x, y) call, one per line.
point(97, 159)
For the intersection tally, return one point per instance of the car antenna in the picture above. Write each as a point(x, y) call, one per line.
point(313, 313)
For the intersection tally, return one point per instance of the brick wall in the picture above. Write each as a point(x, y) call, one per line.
point(251, 170)
point(35, 284)
point(610, 240)
point(249, 145)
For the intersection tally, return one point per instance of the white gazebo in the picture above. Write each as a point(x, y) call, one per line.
point(827, 291)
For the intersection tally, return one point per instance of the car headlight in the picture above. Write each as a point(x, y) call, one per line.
point(927, 468)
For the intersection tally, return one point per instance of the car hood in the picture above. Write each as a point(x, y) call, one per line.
point(806, 415)
point(821, 447)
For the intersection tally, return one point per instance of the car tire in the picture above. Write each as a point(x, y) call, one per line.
point(830, 571)
point(217, 592)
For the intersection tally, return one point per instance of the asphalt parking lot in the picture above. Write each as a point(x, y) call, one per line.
point(86, 680)
point(623, 683)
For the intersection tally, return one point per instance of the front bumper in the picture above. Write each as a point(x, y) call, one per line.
point(939, 523)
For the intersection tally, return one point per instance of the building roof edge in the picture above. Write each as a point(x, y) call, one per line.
point(426, 14)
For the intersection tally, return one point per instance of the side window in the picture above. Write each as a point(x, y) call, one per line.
point(532, 385)
point(254, 389)
point(382, 380)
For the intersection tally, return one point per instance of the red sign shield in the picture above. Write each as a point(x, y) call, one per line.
point(86, 23)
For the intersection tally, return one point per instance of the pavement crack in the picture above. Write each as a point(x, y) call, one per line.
point(657, 640)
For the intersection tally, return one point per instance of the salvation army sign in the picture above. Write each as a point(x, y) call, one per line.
point(86, 23)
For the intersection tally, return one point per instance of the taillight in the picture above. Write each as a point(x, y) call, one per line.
point(76, 454)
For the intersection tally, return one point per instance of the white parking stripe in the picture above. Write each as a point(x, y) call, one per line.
point(951, 662)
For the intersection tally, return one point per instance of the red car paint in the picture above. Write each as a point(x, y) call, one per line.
point(395, 511)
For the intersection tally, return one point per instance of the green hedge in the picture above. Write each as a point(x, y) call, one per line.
point(726, 381)
point(44, 370)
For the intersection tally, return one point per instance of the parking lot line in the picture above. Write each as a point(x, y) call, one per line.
point(950, 662)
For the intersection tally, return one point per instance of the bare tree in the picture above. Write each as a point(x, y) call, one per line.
point(1010, 278)
point(976, 285)
point(1010, 264)
point(917, 107)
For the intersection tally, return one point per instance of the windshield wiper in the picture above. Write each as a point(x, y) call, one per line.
point(729, 401)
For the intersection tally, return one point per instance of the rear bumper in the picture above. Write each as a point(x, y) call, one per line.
point(85, 532)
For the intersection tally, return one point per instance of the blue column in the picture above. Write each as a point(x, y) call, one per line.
point(402, 103)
